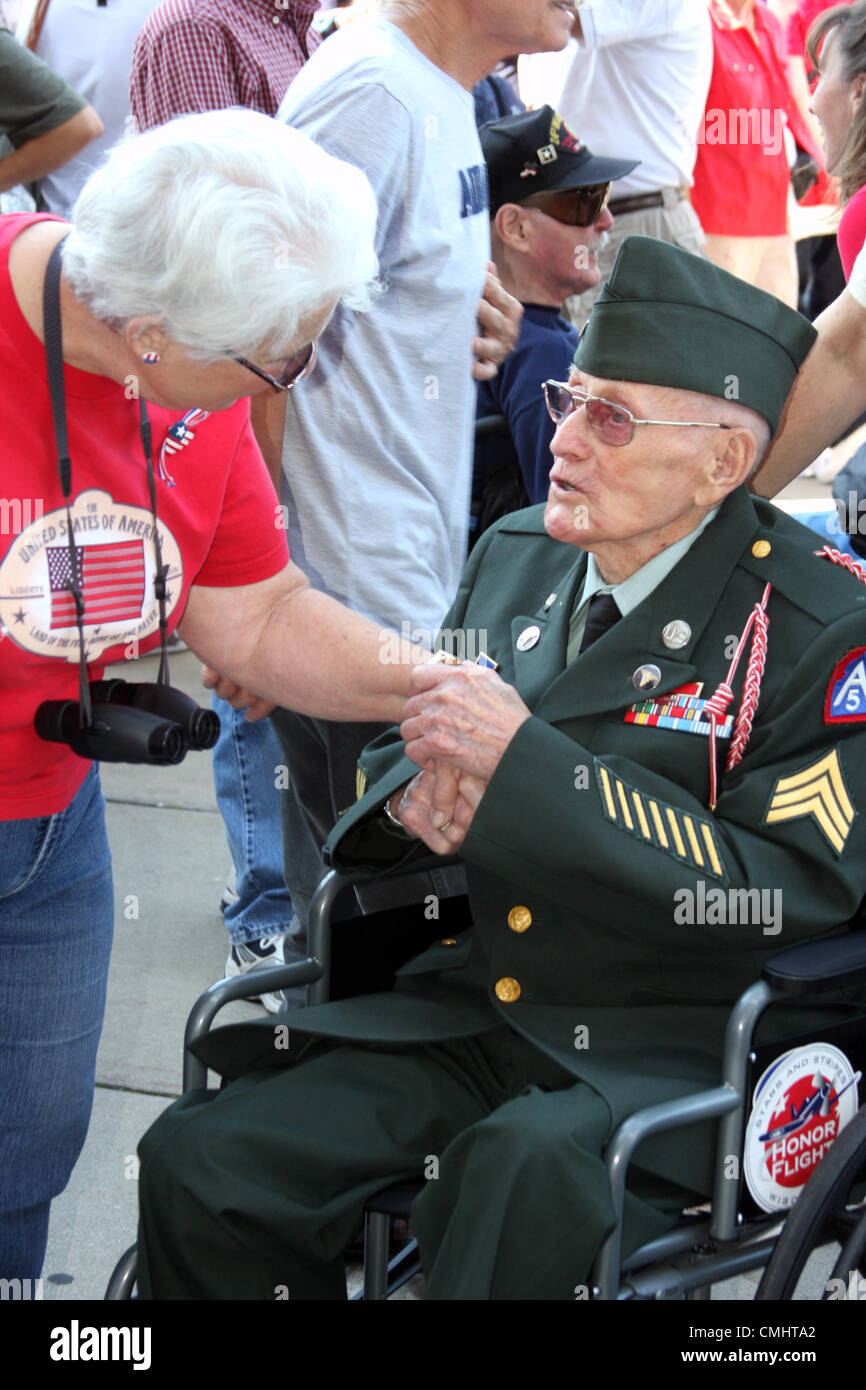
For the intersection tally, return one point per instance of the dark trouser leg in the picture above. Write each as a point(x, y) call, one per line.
point(255, 1191)
point(522, 1203)
point(321, 757)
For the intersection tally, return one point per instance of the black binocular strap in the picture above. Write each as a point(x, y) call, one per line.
point(53, 333)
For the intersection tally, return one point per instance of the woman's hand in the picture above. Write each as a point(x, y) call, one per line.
point(235, 695)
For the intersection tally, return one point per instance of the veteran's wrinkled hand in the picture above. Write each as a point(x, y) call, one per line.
point(464, 716)
point(438, 806)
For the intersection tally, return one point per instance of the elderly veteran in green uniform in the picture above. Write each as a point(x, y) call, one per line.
point(677, 714)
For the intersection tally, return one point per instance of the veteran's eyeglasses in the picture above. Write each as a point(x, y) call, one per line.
point(576, 207)
point(613, 423)
point(295, 369)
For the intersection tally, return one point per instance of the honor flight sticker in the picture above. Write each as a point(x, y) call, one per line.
point(846, 693)
point(800, 1105)
point(116, 563)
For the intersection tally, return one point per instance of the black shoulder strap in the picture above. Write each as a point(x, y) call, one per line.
point(53, 334)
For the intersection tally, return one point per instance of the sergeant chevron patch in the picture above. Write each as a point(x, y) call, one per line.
point(818, 791)
point(685, 837)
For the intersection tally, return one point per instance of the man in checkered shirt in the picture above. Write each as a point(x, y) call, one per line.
point(204, 55)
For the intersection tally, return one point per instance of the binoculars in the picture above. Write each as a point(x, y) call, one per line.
point(131, 723)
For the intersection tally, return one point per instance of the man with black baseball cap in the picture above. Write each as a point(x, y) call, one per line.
point(549, 214)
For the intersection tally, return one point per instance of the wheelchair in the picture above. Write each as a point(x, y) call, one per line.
point(729, 1237)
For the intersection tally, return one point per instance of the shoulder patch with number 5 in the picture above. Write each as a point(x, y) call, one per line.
point(845, 702)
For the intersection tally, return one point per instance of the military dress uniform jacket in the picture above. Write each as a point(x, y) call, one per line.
point(594, 858)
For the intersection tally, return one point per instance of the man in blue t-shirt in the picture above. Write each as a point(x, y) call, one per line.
point(548, 209)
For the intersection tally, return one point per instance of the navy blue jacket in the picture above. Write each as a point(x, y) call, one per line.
point(545, 349)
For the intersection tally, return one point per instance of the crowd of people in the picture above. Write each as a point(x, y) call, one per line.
point(514, 281)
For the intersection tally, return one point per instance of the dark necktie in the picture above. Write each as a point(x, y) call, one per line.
point(603, 613)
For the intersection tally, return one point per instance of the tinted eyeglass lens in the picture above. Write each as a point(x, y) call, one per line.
point(296, 367)
point(560, 401)
point(590, 203)
point(612, 424)
point(576, 208)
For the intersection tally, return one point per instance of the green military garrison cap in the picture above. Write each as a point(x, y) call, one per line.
point(670, 318)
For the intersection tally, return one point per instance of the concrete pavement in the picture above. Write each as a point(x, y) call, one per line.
point(170, 861)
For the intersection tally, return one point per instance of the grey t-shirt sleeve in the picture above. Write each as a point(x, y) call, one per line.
point(33, 99)
point(366, 125)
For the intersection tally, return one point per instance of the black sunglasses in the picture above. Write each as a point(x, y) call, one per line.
point(576, 207)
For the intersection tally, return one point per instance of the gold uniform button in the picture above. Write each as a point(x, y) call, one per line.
point(519, 918)
point(448, 941)
point(761, 549)
point(507, 990)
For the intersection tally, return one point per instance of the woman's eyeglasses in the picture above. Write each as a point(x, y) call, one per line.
point(612, 423)
point(576, 207)
point(295, 370)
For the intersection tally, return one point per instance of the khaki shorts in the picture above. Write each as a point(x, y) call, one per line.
point(678, 224)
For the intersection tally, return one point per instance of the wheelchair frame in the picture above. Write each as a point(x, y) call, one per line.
point(702, 1249)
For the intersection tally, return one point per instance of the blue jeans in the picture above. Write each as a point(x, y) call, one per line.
point(56, 923)
point(245, 763)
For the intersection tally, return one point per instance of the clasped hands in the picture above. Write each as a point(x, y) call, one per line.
point(457, 723)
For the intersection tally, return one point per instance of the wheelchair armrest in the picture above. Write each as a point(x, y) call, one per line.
point(216, 996)
point(364, 874)
point(314, 971)
point(819, 966)
point(325, 896)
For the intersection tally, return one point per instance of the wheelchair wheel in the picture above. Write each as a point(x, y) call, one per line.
point(824, 1212)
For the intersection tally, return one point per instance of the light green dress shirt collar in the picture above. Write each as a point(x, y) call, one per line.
point(633, 590)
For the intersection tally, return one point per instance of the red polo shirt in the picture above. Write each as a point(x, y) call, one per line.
point(741, 173)
point(799, 24)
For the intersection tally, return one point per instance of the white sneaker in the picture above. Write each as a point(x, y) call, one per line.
point(249, 956)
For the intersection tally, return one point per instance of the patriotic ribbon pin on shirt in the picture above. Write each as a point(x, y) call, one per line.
point(179, 435)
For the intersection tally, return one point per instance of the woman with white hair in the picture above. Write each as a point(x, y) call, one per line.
point(202, 263)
